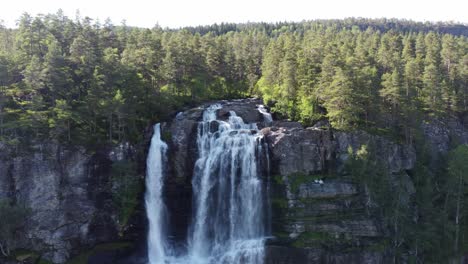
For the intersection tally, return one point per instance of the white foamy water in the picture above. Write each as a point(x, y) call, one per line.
point(228, 219)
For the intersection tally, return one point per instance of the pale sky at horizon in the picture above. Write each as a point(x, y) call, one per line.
point(179, 13)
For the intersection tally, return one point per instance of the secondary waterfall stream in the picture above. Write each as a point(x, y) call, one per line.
point(155, 207)
point(229, 207)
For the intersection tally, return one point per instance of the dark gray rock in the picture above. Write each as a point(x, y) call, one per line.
point(68, 192)
point(183, 131)
point(298, 150)
point(329, 189)
point(322, 124)
point(306, 150)
point(349, 228)
point(330, 217)
point(395, 156)
point(285, 124)
point(245, 108)
point(442, 134)
point(5, 165)
point(289, 255)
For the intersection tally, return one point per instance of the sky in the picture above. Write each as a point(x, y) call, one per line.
point(179, 13)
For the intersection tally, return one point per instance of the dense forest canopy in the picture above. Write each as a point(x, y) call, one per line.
point(81, 81)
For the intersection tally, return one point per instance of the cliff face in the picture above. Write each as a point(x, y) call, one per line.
point(320, 215)
point(70, 191)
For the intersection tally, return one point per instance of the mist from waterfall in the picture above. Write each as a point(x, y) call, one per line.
point(229, 218)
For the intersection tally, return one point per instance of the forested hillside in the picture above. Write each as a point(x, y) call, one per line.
point(81, 81)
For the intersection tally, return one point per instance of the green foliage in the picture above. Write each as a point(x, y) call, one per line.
point(279, 203)
point(387, 197)
point(457, 181)
point(432, 221)
point(90, 84)
point(308, 239)
point(127, 187)
point(278, 179)
point(364, 78)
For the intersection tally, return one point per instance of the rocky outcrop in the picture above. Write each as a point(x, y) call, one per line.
point(307, 150)
point(333, 189)
point(395, 156)
point(295, 149)
point(441, 134)
point(245, 108)
point(318, 211)
point(68, 193)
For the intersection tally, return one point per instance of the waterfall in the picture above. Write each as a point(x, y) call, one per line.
point(155, 207)
point(230, 213)
point(228, 223)
point(266, 116)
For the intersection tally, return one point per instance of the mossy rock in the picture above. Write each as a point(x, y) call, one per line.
point(279, 203)
point(308, 239)
point(166, 136)
point(297, 179)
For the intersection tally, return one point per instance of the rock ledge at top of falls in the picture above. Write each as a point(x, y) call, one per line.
point(183, 131)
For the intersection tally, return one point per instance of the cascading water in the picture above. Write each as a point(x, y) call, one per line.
point(155, 207)
point(266, 116)
point(228, 224)
point(229, 205)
